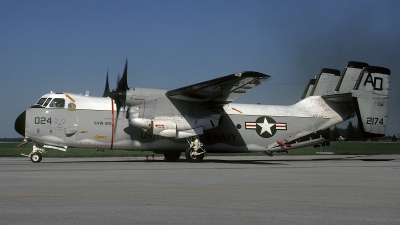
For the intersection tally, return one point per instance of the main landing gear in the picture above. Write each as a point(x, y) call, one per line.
point(195, 152)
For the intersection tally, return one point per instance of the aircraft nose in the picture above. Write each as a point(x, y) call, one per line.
point(20, 124)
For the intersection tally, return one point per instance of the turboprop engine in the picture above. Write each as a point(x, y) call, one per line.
point(176, 126)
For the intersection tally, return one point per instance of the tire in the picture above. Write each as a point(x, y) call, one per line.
point(193, 158)
point(36, 157)
point(172, 156)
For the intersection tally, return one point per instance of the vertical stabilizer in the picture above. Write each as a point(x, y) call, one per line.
point(349, 77)
point(326, 82)
point(370, 96)
point(308, 89)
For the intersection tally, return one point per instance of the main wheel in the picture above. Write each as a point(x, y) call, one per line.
point(172, 156)
point(191, 155)
point(36, 157)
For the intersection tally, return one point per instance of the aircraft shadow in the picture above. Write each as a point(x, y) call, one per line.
point(213, 161)
point(180, 161)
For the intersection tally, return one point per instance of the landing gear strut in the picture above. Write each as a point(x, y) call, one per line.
point(195, 153)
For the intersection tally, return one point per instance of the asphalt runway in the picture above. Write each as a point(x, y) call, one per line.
point(221, 190)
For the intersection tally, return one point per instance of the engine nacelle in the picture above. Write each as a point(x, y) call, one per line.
point(165, 128)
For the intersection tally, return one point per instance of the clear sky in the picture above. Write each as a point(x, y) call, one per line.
point(68, 46)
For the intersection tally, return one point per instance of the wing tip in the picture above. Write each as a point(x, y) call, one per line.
point(252, 74)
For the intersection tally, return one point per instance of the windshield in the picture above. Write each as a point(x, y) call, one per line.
point(50, 102)
point(41, 101)
point(47, 102)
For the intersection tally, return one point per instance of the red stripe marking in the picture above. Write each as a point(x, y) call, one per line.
point(251, 125)
point(112, 124)
point(281, 126)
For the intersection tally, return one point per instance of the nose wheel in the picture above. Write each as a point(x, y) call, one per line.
point(36, 157)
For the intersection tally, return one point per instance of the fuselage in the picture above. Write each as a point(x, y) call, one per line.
point(70, 120)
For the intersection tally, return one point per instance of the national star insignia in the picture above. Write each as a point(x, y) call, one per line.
point(266, 127)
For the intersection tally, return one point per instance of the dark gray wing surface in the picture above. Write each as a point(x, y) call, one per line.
point(220, 90)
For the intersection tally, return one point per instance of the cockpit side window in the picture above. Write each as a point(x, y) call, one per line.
point(58, 102)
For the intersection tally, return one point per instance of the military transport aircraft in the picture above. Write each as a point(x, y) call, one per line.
point(201, 118)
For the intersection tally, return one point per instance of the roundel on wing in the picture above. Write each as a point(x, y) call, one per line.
point(265, 126)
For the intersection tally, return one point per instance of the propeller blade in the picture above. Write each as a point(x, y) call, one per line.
point(118, 80)
point(119, 94)
point(123, 83)
point(107, 88)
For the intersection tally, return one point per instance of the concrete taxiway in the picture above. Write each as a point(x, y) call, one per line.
point(326, 189)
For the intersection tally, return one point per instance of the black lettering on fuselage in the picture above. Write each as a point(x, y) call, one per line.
point(218, 137)
point(145, 135)
point(100, 123)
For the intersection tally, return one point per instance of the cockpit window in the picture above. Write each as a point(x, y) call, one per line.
point(47, 102)
point(58, 102)
point(41, 101)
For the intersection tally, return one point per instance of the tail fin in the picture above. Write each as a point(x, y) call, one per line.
point(349, 77)
point(370, 96)
point(308, 89)
point(362, 90)
point(326, 82)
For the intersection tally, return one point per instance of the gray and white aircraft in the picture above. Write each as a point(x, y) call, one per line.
point(201, 118)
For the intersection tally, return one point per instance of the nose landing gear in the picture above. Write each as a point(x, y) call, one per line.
point(36, 157)
point(37, 151)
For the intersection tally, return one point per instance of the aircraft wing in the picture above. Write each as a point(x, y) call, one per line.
point(221, 90)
